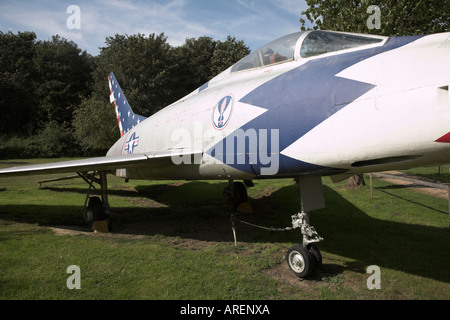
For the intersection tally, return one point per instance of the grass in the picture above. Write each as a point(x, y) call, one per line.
point(173, 241)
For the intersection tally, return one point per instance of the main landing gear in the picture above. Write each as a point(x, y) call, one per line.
point(96, 211)
point(236, 192)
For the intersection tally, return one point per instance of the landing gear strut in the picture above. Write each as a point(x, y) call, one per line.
point(306, 257)
point(96, 210)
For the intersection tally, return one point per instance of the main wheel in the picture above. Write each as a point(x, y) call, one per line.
point(299, 260)
point(94, 211)
point(315, 255)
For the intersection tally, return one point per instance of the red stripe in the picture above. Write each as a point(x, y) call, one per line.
point(445, 138)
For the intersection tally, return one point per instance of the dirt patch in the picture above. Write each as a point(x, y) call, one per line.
point(185, 243)
point(147, 203)
point(310, 287)
point(266, 192)
point(437, 192)
point(282, 273)
point(191, 244)
point(70, 230)
point(74, 231)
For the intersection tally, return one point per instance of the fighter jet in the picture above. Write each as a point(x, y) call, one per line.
point(307, 105)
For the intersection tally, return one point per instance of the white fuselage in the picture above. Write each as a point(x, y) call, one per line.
point(393, 125)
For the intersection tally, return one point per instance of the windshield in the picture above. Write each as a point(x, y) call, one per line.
point(320, 42)
point(274, 52)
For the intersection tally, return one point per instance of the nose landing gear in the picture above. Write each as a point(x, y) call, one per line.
point(303, 258)
point(306, 257)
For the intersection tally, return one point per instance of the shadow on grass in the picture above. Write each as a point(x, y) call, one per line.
point(198, 211)
point(395, 186)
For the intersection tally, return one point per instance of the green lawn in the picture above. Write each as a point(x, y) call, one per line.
point(173, 240)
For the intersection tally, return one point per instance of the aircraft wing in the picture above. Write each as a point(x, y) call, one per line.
point(106, 163)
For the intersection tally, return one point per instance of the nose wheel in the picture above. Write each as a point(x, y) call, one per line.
point(303, 260)
point(299, 260)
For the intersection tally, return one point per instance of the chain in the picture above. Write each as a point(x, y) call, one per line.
point(233, 219)
point(299, 220)
point(266, 228)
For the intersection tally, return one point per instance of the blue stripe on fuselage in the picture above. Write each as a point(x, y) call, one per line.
point(296, 102)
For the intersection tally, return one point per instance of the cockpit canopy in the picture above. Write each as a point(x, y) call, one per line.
point(320, 42)
point(313, 44)
point(276, 51)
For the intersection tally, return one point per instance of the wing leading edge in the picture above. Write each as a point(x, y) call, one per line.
point(150, 159)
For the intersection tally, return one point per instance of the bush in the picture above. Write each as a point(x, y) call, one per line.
point(53, 141)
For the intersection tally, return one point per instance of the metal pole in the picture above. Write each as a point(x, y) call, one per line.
point(297, 181)
point(104, 185)
point(371, 187)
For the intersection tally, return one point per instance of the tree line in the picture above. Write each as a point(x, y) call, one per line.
point(396, 17)
point(54, 97)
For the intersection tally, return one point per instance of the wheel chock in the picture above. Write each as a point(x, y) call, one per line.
point(100, 226)
point(244, 207)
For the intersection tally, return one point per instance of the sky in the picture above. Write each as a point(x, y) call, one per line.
point(256, 22)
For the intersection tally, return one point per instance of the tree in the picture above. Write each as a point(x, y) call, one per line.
point(63, 78)
point(41, 83)
point(17, 100)
point(199, 60)
point(398, 17)
point(143, 67)
point(193, 64)
point(227, 53)
point(95, 126)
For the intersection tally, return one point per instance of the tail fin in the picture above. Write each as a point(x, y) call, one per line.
point(125, 115)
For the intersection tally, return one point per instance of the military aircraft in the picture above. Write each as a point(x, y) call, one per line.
point(307, 105)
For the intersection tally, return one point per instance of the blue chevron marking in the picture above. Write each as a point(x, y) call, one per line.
point(305, 97)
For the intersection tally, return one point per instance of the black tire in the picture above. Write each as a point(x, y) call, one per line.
point(299, 261)
point(94, 211)
point(316, 255)
point(239, 194)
